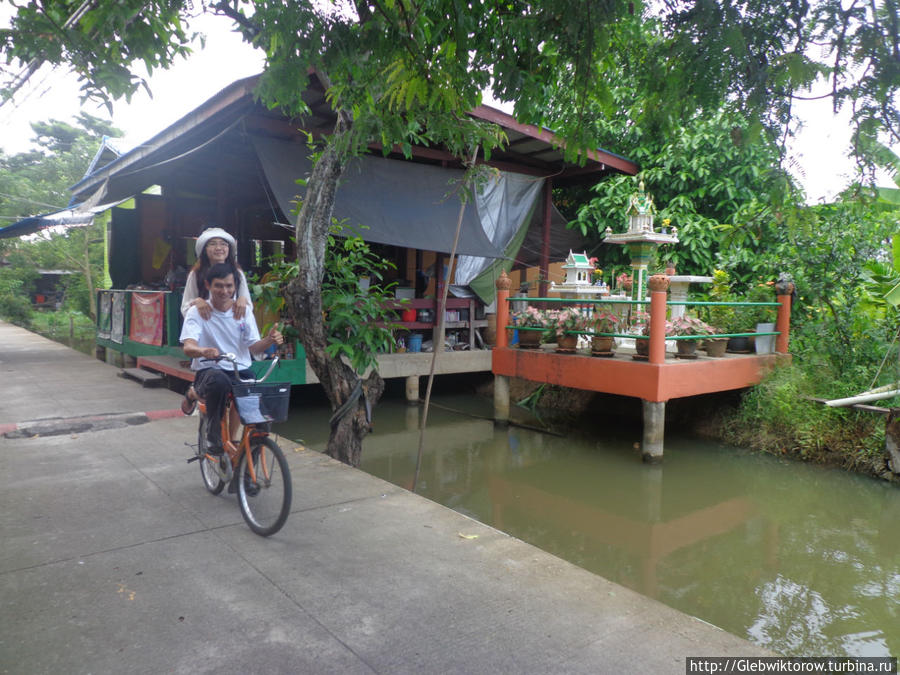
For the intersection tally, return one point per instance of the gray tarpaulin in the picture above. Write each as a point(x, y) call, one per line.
point(402, 203)
point(504, 203)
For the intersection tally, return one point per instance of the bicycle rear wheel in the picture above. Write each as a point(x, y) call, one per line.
point(209, 468)
point(265, 504)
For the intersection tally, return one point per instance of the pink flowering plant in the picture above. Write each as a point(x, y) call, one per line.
point(605, 322)
point(689, 325)
point(532, 317)
point(641, 322)
point(565, 320)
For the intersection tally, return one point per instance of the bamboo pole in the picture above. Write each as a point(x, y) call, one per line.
point(862, 398)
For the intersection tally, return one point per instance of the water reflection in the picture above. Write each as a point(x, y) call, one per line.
point(799, 559)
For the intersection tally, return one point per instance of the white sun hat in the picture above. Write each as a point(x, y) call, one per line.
point(213, 233)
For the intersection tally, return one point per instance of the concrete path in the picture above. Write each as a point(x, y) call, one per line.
point(114, 559)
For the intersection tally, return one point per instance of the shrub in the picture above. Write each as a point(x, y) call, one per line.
point(16, 308)
point(763, 292)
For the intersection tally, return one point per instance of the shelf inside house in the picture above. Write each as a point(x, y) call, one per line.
point(455, 307)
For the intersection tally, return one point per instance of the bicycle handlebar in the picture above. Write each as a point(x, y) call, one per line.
point(233, 359)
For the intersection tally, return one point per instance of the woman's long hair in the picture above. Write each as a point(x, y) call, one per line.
point(203, 263)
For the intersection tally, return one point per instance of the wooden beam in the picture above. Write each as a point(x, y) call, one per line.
point(545, 241)
point(599, 155)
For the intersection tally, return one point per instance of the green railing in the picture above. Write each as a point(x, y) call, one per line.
point(685, 303)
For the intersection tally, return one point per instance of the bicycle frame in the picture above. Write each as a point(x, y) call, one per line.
point(249, 432)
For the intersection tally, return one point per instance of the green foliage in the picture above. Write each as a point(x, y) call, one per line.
point(62, 323)
point(842, 333)
point(761, 292)
point(778, 416)
point(358, 323)
point(16, 308)
point(38, 181)
point(721, 317)
point(102, 42)
point(701, 174)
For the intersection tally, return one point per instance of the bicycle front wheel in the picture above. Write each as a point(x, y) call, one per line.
point(266, 502)
point(209, 468)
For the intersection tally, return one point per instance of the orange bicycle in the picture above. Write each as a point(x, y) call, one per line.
point(254, 467)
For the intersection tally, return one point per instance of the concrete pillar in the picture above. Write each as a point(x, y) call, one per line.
point(654, 431)
point(501, 399)
point(412, 418)
point(412, 390)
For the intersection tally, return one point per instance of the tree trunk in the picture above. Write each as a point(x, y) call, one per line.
point(304, 301)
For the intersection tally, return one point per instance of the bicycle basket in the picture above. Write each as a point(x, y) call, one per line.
point(258, 403)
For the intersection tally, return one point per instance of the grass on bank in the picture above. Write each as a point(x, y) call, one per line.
point(58, 324)
point(63, 324)
point(778, 416)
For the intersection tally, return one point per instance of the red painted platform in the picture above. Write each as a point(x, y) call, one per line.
point(624, 376)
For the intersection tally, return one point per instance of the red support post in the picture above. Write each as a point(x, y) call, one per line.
point(658, 284)
point(783, 324)
point(503, 283)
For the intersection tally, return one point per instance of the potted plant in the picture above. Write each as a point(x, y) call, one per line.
point(715, 346)
point(603, 322)
point(530, 318)
point(688, 326)
point(566, 323)
point(729, 319)
point(721, 316)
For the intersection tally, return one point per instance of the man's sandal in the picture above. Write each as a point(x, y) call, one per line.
point(189, 403)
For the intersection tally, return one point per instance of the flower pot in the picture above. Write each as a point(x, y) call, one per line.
point(739, 345)
point(409, 315)
point(602, 346)
point(715, 347)
point(566, 343)
point(687, 349)
point(765, 344)
point(529, 339)
point(641, 348)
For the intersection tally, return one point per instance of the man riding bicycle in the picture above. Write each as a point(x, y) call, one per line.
point(205, 339)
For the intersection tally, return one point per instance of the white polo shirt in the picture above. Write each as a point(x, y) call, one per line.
point(224, 333)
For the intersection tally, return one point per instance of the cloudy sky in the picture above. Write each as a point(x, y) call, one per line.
point(819, 151)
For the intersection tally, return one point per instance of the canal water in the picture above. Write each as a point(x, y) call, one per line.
point(800, 559)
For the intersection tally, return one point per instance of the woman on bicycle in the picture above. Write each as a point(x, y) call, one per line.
point(221, 333)
point(214, 245)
